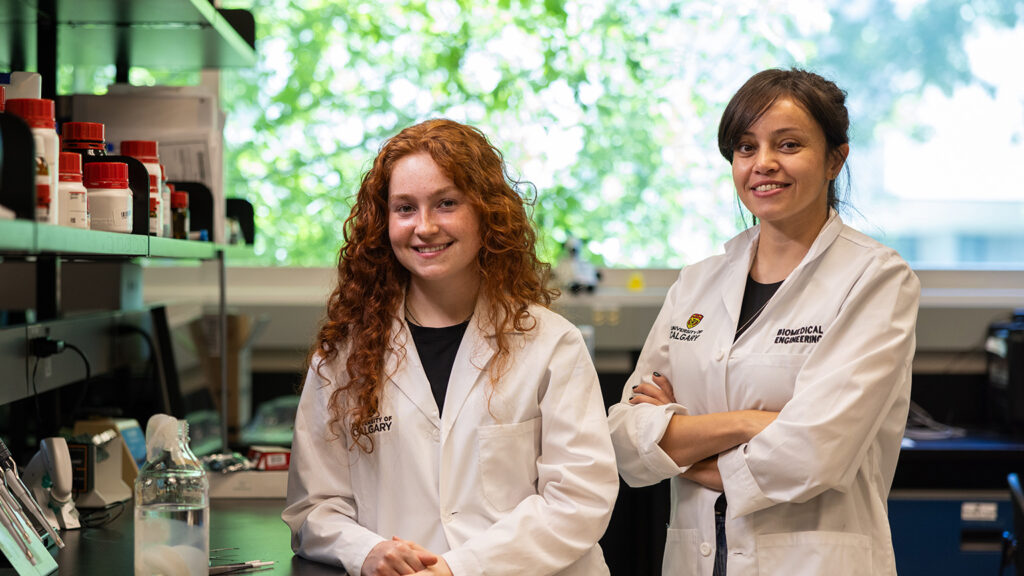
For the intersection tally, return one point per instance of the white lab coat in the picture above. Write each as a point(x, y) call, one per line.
point(832, 351)
point(517, 479)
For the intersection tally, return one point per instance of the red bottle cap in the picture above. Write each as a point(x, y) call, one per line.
point(154, 184)
point(37, 112)
point(88, 131)
point(179, 199)
point(142, 150)
point(106, 175)
point(70, 167)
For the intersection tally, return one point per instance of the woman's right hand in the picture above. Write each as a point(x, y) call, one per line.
point(396, 557)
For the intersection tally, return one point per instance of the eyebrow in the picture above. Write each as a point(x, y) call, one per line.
point(778, 131)
point(432, 195)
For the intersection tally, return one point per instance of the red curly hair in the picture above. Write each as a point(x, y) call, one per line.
point(372, 283)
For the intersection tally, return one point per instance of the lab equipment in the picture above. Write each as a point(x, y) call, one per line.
point(172, 504)
point(28, 503)
point(48, 476)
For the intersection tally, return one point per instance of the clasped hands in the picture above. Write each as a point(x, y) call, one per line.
point(397, 557)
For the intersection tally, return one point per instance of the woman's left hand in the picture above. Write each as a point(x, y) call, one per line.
point(439, 569)
point(658, 393)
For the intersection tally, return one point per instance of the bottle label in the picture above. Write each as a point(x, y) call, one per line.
point(111, 213)
point(78, 211)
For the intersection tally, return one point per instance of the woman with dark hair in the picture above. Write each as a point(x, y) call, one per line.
point(774, 386)
point(449, 423)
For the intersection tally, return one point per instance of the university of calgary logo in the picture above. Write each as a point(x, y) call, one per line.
point(694, 320)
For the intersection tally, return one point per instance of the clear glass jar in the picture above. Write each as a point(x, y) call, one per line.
point(172, 505)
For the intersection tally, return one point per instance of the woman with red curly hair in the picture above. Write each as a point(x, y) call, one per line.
point(450, 423)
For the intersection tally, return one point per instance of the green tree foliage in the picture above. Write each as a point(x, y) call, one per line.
point(609, 109)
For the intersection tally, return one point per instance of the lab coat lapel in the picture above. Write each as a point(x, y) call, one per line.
point(740, 253)
point(408, 374)
point(470, 367)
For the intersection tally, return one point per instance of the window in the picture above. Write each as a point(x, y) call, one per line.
point(610, 109)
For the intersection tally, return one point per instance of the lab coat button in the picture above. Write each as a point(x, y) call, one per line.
point(705, 549)
point(718, 356)
point(435, 435)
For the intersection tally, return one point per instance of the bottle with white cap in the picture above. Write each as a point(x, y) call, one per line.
point(172, 504)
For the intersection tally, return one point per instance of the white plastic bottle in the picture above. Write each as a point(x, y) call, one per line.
point(155, 209)
point(74, 202)
point(165, 203)
point(44, 194)
point(110, 199)
point(172, 504)
point(146, 151)
point(39, 115)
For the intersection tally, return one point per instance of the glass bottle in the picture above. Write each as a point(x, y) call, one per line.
point(172, 504)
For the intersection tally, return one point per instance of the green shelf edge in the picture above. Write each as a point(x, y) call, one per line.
point(24, 237)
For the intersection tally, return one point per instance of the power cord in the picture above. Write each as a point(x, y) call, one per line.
point(43, 347)
point(102, 516)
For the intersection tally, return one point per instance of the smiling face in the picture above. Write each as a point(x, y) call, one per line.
point(434, 230)
point(782, 166)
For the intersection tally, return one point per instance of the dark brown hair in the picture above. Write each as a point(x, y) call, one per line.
point(821, 98)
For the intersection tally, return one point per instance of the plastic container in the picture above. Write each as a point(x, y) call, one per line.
point(165, 203)
point(110, 199)
point(146, 151)
point(38, 114)
point(155, 210)
point(172, 504)
point(3, 97)
point(85, 138)
point(44, 195)
point(179, 214)
point(74, 201)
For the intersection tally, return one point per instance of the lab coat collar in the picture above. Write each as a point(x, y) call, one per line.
point(468, 371)
point(740, 251)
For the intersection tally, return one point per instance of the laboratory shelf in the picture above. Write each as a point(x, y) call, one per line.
point(17, 236)
point(180, 34)
point(64, 240)
point(27, 238)
point(162, 34)
point(172, 248)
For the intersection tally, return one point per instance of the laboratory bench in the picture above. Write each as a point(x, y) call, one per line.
point(950, 503)
point(253, 526)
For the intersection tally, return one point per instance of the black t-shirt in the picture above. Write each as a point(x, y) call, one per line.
point(437, 348)
point(755, 297)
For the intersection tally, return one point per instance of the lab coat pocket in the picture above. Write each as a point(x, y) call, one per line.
point(772, 376)
point(508, 462)
point(819, 552)
point(683, 551)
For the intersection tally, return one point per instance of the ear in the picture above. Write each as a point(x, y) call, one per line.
point(838, 159)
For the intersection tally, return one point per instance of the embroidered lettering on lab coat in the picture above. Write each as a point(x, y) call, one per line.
point(806, 334)
point(378, 424)
point(684, 334)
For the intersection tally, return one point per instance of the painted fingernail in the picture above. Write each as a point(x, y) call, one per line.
point(658, 374)
point(634, 386)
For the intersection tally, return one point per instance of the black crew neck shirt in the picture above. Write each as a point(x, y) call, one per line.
point(755, 297)
point(437, 348)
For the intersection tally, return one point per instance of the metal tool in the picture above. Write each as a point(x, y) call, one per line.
point(9, 519)
point(15, 485)
point(254, 565)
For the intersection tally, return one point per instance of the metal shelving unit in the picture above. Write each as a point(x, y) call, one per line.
point(43, 36)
